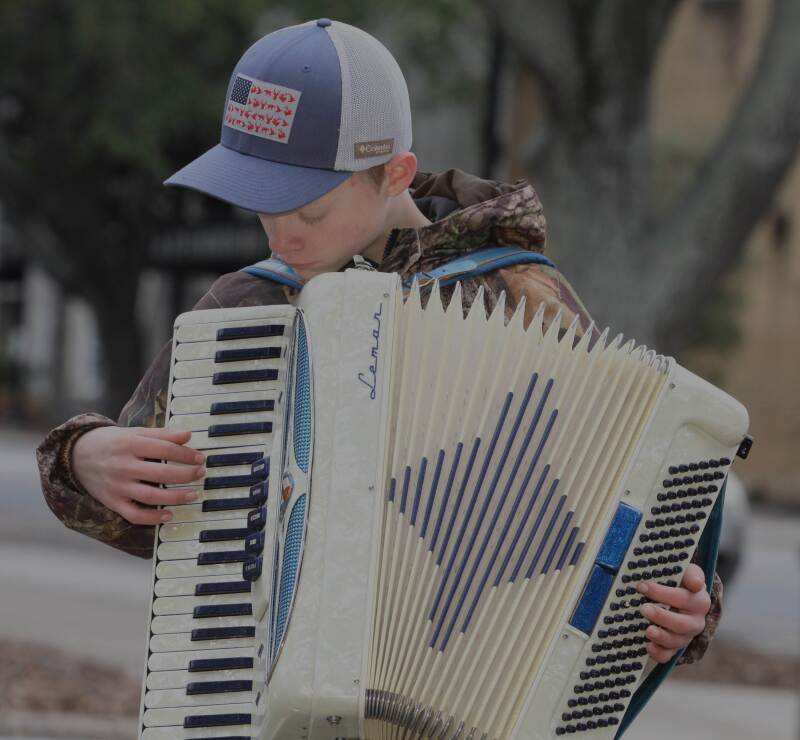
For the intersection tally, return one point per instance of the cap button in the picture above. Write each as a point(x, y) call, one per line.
point(324, 22)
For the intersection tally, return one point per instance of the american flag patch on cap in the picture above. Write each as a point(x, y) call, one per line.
point(261, 109)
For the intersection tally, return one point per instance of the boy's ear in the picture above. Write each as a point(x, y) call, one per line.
point(400, 171)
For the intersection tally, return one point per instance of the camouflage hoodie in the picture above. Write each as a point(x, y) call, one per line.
point(467, 213)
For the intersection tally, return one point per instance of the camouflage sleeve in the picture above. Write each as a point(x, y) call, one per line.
point(65, 496)
point(697, 647)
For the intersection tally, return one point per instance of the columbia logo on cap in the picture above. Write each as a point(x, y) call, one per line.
point(373, 148)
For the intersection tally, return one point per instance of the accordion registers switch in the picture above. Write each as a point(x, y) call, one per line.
point(420, 522)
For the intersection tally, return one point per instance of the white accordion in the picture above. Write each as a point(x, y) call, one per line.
point(417, 524)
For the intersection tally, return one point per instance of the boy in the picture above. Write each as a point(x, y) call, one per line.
point(316, 139)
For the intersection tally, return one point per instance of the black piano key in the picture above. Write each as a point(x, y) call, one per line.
point(222, 610)
point(217, 687)
point(251, 570)
point(219, 664)
point(241, 407)
point(215, 720)
point(257, 518)
point(231, 481)
point(258, 493)
point(260, 468)
point(223, 535)
point(232, 458)
point(222, 633)
point(247, 353)
point(250, 427)
point(227, 504)
point(224, 556)
point(248, 332)
point(243, 376)
point(223, 587)
point(254, 543)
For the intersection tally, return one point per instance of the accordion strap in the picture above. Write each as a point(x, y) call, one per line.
point(707, 551)
point(461, 268)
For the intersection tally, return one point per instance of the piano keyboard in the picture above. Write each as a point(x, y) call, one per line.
point(209, 626)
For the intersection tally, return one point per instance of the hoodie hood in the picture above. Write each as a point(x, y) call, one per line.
point(468, 213)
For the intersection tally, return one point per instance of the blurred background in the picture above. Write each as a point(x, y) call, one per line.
point(662, 137)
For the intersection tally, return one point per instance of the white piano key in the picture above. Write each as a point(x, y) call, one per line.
point(206, 368)
point(200, 733)
point(179, 661)
point(201, 440)
point(179, 698)
point(160, 680)
point(206, 387)
point(185, 586)
point(195, 513)
point(207, 350)
point(190, 569)
point(207, 332)
point(172, 642)
point(189, 549)
point(202, 404)
point(201, 422)
point(176, 715)
point(185, 604)
point(191, 530)
point(176, 623)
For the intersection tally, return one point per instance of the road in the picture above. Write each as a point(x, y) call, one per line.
point(62, 588)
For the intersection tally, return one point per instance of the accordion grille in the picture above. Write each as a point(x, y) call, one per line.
point(291, 562)
point(302, 401)
point(508, 445)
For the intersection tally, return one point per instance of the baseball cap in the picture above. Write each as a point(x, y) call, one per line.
point(306, 107)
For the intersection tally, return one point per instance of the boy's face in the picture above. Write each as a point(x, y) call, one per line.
point(325, 234)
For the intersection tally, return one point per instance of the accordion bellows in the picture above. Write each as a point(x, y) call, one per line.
point(456, 513)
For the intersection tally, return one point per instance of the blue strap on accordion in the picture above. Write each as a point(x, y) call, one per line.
point(461, 268)
point(707, 551)
point(277, 271)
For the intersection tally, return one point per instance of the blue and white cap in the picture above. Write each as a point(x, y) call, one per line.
point(307, 106)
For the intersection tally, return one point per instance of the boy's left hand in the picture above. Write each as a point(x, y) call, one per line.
point(672, 630)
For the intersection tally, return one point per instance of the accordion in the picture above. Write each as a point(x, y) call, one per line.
point(418, 523)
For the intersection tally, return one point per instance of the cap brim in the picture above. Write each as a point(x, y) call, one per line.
point(253, 183)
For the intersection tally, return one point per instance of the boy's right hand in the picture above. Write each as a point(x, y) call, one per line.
point(114, 464)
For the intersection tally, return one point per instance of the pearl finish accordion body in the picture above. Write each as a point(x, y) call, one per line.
point(420, 524)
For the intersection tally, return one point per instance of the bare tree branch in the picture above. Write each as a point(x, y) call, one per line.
point(542, 35)
point(736, 184)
